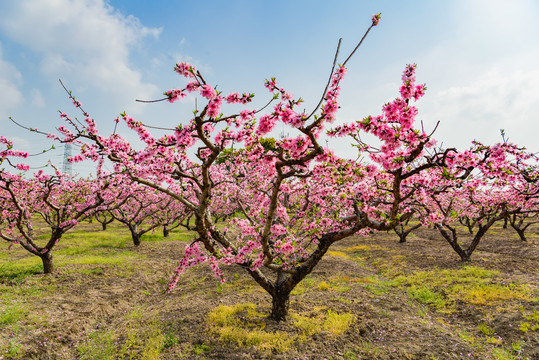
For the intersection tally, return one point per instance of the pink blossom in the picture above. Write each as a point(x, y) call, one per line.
point(185, 69)
point(208, 92)
point(376, 19)
point(266, 124)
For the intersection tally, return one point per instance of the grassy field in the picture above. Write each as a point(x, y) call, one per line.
point(370, 298)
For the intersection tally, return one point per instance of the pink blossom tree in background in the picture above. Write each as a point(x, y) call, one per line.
point(104, 218)
point(472, 189)
point(524, 198)
point(140, 208)
point(58, 200)
point(404, 229)
point(172, 215)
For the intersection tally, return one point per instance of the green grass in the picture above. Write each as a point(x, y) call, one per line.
point(332, 323)
point(138, 336)
point(86, 244)
point(16, 271)
point(11, 349)
point(334, 284)
point(469, 284)
point(531, 322)
point(485, 329)
point(12, 313)
point(426, 296)
point(243, 326)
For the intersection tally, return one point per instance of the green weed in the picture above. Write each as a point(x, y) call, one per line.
point(331, 322)
point(531, 322)
point(485, 329)
point(338, 254)
point(143, 337)
point(12, 313)
point(242, 325)
point(323, 286)
point(136, 337)
point(488, 294)
point(368, 348)
point(100, 345)
point(11, 349)
point(377, 289)
point(426, 296)
point(503, 354)
point(200, 349)
point(469, 284)
point(169, 341)
point(468, 337)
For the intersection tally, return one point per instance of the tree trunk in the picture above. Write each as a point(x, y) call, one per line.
point(403, 234)
point(280, 305)
point(452, 238)
point(281, 296)
point(519, 229)
point(104, 226)
point(520, 233)
point(399, 230)
point(166, 232)
point(48, 265)
point(135, 235)
point(464, 256)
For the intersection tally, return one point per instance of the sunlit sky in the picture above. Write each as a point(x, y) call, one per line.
point(479, 59)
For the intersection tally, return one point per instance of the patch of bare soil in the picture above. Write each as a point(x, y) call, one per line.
point(389, 323)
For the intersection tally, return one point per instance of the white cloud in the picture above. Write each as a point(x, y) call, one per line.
point(10, 79)
point(485, 77)
point(85, 42)
point(37, 98)
point(479, 107)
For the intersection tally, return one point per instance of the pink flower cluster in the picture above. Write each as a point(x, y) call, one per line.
point(192, 255)
point(271, 85)
point(408, 89)
point(143, 133)
point(236, 98)
point(185, 69)
point(208, 92)
point(266, 123)
point(8, 152)
point(214, 107)
point(174, 94)
point(330, 107)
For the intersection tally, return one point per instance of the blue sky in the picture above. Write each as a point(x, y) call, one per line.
point(478, 58)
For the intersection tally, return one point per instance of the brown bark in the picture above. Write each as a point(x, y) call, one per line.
point(48, 265)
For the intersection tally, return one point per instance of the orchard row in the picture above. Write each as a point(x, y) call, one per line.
point(286, 201)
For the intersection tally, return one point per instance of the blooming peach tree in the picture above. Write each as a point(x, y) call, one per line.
point(58, 200)
point(141, 208)
point(292, 198)
point(475, 189)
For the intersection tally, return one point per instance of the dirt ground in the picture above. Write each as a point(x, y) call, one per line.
point(389, 322)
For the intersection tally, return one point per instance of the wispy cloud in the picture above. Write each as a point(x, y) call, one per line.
point(485, 77)
point(85, 41)
point(10, 79)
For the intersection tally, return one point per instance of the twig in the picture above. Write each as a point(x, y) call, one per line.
point(329, 80)
point(358, 45)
